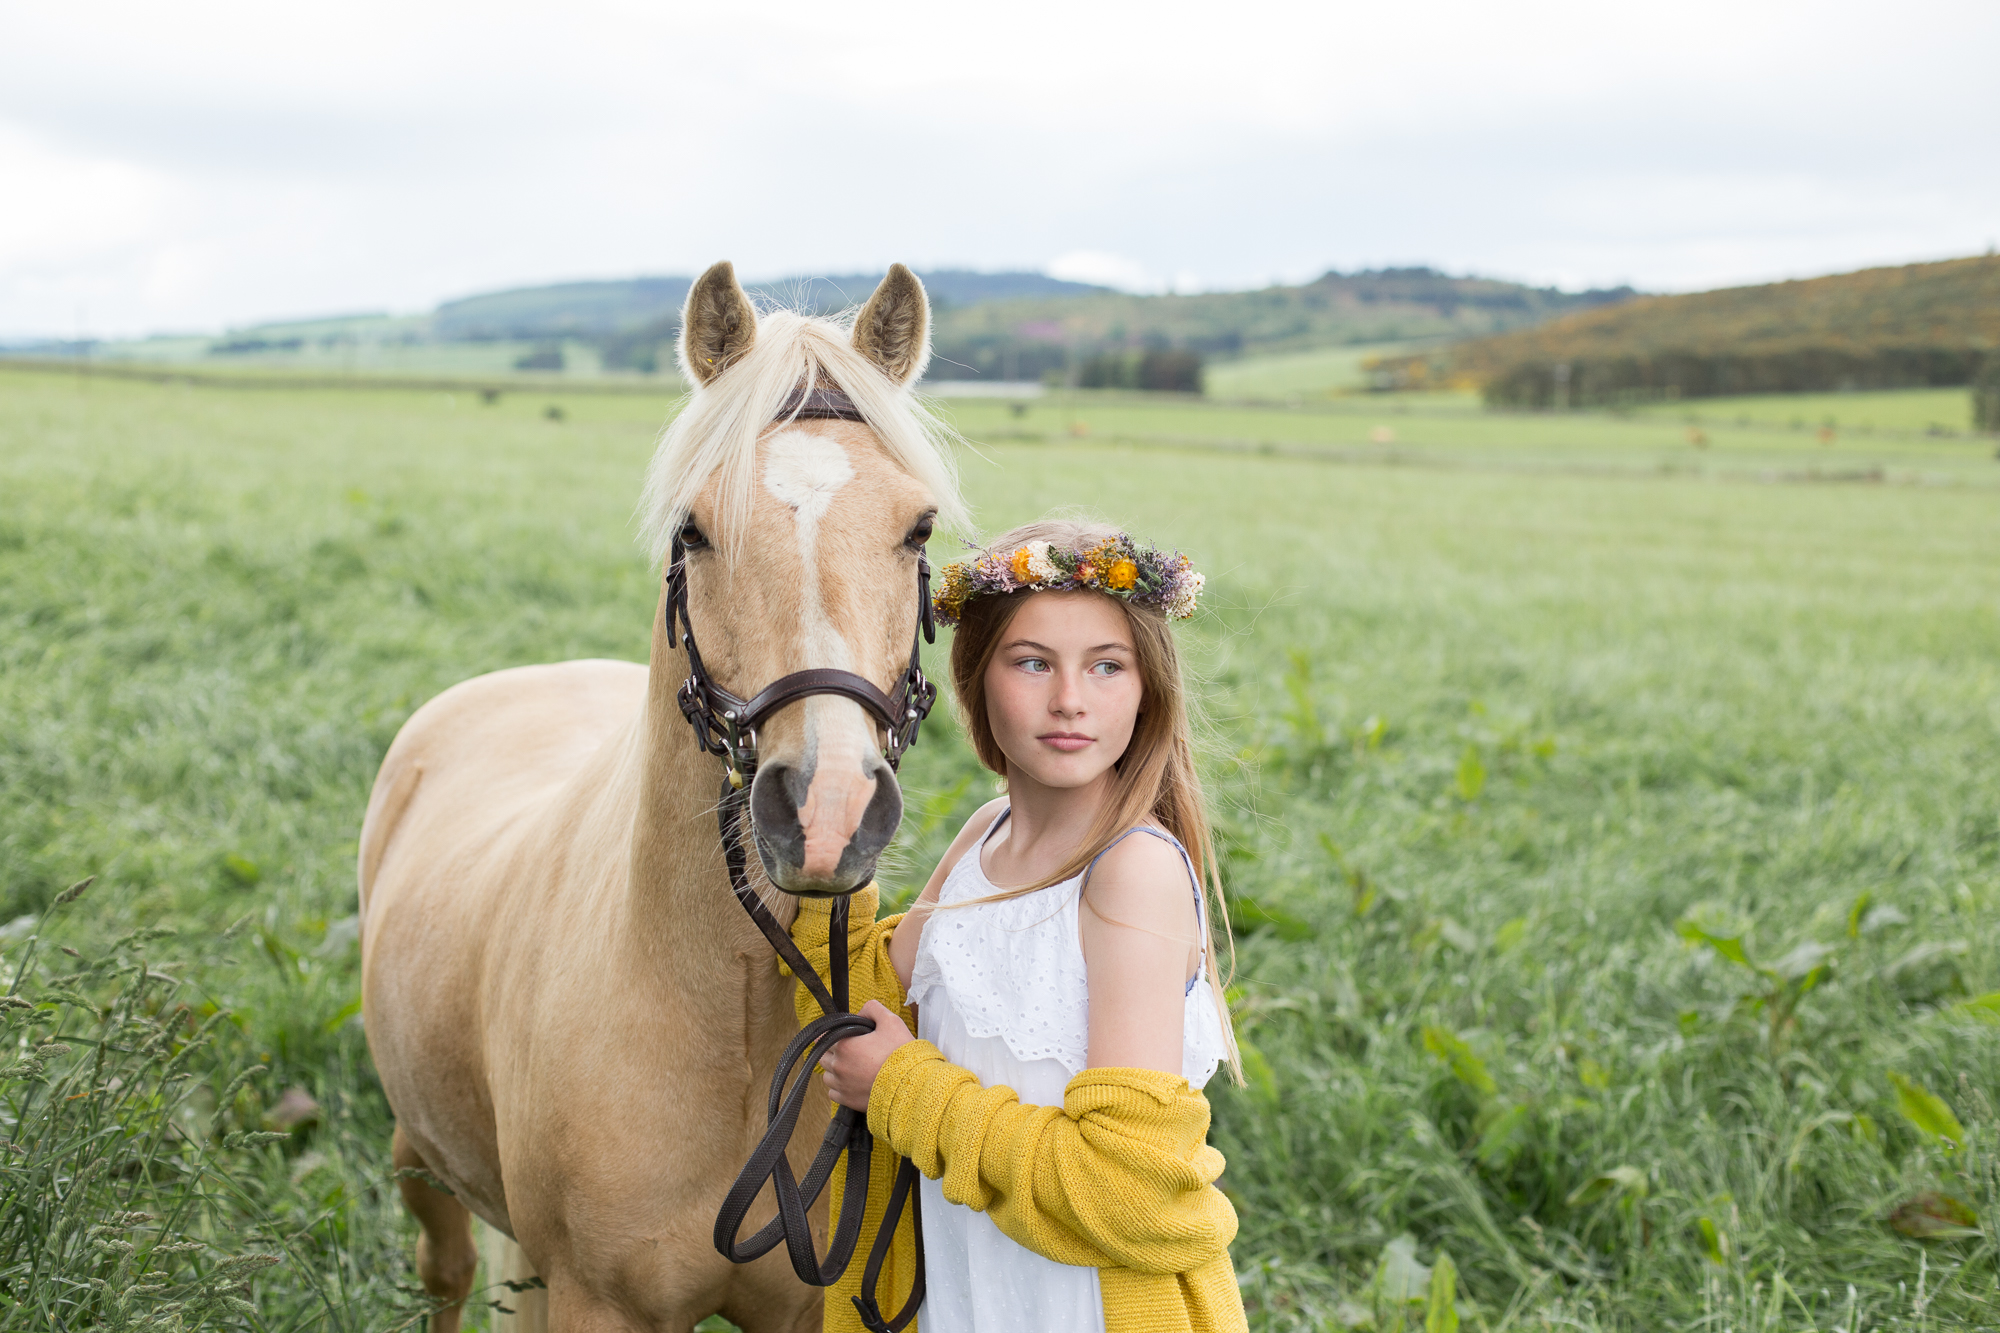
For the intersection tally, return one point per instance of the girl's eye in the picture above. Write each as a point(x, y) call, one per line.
point(1034, 664)
point(1106, 668)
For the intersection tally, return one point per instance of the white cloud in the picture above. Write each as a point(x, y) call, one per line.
point(66, 209)
point(1105, 270)
point(213, 163)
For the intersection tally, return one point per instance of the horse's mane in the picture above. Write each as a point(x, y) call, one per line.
point(716, 432)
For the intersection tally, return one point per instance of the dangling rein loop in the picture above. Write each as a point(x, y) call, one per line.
point(726, 726)
point(848, 1132)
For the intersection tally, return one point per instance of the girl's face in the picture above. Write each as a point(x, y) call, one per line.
point(1063, 689)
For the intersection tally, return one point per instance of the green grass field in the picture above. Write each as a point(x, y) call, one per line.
point(1612, 825)
point(1449, 432)
point(1910, 411)
point(1288, 376)
point(365, 356)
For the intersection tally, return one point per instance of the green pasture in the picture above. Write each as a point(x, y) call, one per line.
point(1612, 826)
point(1905, 411)
point(1449, 432)
point(366, 355)
point(1287, 376)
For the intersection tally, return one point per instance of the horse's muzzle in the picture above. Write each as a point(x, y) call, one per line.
point(778, 793)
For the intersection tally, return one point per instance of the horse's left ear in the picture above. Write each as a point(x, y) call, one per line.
point(894, 330)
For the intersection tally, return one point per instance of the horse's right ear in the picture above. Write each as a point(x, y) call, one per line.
point(717, 326)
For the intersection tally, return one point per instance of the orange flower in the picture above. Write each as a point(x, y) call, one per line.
point(1020, 564)
point(1086, 572)
point(1123, 575)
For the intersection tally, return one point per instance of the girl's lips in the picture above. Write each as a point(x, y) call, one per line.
point(1066, 741)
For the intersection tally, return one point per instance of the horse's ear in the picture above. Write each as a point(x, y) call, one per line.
point(718, 325)
point(894, 330)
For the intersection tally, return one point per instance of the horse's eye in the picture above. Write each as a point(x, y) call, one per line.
point(691, 537)
point(922, 532)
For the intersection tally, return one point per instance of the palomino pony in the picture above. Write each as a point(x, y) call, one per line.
point(572, 1017)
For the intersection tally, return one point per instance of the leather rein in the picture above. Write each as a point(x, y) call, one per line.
point(726, 726)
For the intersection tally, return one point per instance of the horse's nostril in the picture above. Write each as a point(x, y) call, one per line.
point(776, 794)
point(879, 820)
point(878, 825)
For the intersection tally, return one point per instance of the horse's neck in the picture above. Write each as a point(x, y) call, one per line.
point(682, 914)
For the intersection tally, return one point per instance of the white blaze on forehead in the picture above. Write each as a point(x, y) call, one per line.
point(806, 471)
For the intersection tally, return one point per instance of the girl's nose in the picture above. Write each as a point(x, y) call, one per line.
point(1068, 699)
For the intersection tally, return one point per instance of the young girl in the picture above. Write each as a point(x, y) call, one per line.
point(1058, 969)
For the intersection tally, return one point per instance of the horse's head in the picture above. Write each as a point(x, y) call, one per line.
point(802, 537)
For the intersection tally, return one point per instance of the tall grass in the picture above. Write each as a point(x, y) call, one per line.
point(1615, 851)
point(138, 1190)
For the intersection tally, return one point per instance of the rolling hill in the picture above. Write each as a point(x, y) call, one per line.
point(1005, 326)
point(1033, 338)
point(632, 306)
point(1882, 328)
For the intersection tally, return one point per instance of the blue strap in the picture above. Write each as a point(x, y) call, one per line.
point(1194, 880)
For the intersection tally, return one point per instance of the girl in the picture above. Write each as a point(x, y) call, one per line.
point(1057, 967)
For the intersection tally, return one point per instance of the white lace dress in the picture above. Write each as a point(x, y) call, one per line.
point(1001, 990)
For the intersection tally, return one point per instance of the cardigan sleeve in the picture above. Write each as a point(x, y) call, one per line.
point(1119, 1175)
point(870, 973)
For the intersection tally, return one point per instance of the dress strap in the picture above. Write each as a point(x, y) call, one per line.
point(1194, 881)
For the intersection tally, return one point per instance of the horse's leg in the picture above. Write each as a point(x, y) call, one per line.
point(446, 1259)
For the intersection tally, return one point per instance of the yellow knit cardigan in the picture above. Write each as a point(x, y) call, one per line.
point(1119, 1178)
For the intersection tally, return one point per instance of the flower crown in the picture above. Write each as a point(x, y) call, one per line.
point(1143, 576)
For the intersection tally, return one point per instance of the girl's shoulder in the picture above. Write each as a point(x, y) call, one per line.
point(1126, 880)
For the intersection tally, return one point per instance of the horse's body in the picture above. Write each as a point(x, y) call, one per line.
point(573, 1019)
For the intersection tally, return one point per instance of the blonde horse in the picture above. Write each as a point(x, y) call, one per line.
point(572, 1017)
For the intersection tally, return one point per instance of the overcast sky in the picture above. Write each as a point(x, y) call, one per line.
point(201, 165)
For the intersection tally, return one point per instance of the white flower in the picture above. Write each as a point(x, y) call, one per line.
point(1041, 569)
point(1187, 588)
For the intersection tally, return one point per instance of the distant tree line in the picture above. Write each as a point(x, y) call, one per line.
point(1596, 381)
point(544, 356)
point(246, 345)
point(1164, 369)
point(1157, 369)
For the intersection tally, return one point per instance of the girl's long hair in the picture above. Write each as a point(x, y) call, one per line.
point(1155, 779)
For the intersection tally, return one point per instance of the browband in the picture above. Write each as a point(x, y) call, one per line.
point(823, 403)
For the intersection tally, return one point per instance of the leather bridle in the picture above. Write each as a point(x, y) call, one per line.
point(725, 725)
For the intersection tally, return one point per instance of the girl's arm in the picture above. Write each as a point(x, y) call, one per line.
point(1140, 947)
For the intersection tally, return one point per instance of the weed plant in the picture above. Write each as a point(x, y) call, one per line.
point(1614, 855)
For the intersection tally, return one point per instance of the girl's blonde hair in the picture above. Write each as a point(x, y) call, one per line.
point(1155, 779)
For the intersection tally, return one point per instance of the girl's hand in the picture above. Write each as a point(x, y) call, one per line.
point(851, 1065)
